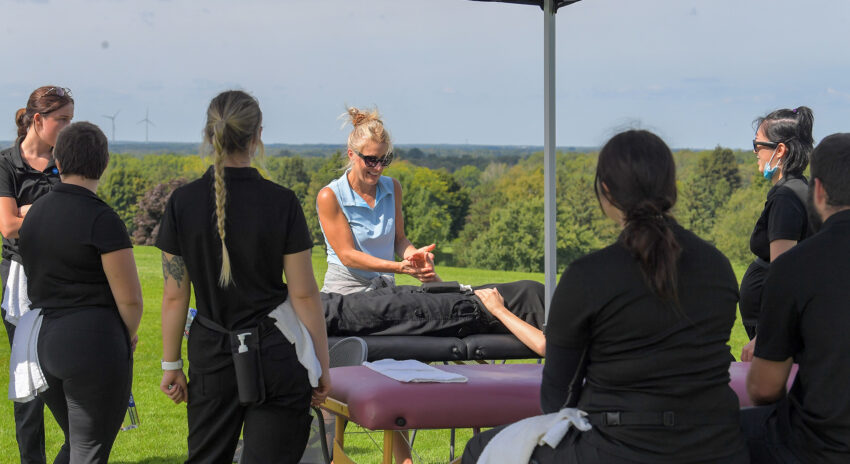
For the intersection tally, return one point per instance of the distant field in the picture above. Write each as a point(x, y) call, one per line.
point(161, 438)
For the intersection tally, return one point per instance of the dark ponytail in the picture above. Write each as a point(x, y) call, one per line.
point(792, 127)
point(637, 175)
point(43, 100)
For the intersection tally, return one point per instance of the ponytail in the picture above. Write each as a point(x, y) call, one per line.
point(637, 175)
point(233, 124)
point(792, 127)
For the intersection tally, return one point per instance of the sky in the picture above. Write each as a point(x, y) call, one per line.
point(696, 72)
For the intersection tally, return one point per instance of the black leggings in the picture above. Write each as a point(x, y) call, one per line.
point(85, 355)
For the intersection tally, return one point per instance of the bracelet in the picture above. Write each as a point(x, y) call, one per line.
point(172, 365)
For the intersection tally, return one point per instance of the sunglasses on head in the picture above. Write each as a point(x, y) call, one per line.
point(59, 92)
point(372, 161)
point(757, 143)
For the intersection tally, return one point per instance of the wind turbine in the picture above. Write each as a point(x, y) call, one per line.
point(147, 122)
point(112, 118)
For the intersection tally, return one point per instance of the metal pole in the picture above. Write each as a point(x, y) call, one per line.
point(549, 173)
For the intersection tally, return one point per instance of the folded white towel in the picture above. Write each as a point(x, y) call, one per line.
point(296, 332)
point(16, 303)
point(411, 370)
point(516, 442)
point(25, 376)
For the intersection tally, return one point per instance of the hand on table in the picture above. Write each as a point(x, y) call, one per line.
point(320, 393)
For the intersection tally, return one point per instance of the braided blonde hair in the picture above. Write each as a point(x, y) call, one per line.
point(367, 127)
point(233, 125)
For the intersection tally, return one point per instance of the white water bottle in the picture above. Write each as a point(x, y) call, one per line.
point(190, 316)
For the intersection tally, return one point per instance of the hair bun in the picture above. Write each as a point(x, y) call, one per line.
point(359, 117)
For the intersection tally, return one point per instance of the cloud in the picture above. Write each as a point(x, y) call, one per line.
point(838, 94)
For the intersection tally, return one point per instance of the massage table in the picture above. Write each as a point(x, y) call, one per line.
point(495, 394)
point(425, 348)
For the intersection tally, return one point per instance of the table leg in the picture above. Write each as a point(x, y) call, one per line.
point(388, 447)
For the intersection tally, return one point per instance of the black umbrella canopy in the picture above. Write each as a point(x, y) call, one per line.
point(558, 3)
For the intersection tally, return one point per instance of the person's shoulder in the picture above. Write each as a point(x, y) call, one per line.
point(277, 190)
point(612, 257)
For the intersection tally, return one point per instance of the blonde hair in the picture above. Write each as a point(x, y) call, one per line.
point(367, 127)
point(233, 125)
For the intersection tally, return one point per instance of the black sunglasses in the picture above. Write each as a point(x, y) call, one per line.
point(59, 92)
point(756, 144)
point(372, 161)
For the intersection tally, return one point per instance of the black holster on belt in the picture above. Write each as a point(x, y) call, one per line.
point(245, 349)
point(247, 362)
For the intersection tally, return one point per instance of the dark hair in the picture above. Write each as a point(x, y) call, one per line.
point(82, 149)
point(42, 100)
point(637, 174)
point(794, 129)
point(831, 164)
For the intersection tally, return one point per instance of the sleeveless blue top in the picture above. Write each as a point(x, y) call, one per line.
point(373, 229)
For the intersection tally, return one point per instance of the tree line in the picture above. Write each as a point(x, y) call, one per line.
point(482, 211)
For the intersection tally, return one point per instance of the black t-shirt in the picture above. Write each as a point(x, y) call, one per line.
point(645, 356)
point(784, 216)
point(23, 183)
point(264, 221)
point(62, 238)
point(806, 315)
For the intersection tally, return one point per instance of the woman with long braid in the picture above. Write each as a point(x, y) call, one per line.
point(258, 348)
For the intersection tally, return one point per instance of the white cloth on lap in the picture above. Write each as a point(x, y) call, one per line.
point(25, 376)
point(16, 303)
point(516, 442)
point(411, 370)
point(296, 332)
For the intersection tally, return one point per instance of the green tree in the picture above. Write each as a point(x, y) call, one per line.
point(707, 189)
point(736, 219)
point(121, 187)
point(290, 173)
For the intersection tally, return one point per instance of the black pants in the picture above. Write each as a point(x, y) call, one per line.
point(751, 288)
point(29, 416)
point(85, 355)
point(408, 310)
point(275, 431)
point(767, 429)
point(569, 451)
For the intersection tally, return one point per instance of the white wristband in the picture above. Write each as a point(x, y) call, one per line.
point(172, 365)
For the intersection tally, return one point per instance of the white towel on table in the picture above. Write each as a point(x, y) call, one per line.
point(16, 303)
point(516, 442)
point(296, 332)
point(25, 376)
point(411, 370)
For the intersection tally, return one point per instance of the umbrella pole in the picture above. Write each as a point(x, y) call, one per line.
point(549, 169)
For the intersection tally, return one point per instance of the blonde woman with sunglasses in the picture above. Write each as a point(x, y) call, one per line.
point(28, 172)
point(361, 218)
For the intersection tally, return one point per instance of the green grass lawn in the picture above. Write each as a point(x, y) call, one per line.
point(161, 438)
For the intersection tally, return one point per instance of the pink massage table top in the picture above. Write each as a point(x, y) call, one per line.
point(495, 394)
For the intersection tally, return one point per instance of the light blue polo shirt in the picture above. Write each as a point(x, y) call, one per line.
point(373, 228)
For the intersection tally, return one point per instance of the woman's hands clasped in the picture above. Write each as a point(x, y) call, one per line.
point(420, 264)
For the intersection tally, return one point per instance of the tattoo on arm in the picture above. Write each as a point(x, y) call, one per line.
point(174, 267)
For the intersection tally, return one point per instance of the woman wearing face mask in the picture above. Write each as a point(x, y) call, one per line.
point(782, 146)
point(27, 172)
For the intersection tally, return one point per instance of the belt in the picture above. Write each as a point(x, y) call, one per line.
point(665, 418)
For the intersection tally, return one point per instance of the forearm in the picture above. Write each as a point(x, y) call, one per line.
point(131, 314)
point(531, 336)
point(364, 261)
point(174, 312)
point(403, 247)
point(308, 308)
